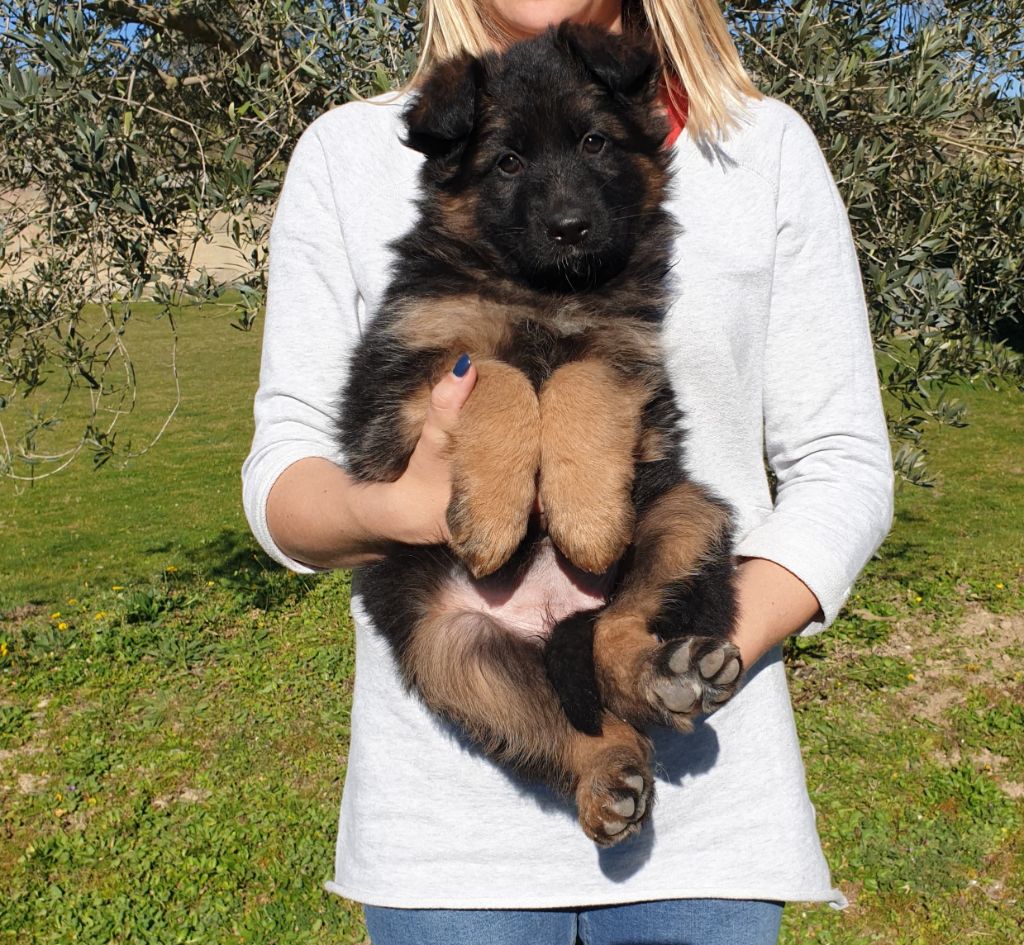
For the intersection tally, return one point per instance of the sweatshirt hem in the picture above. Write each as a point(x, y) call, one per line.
point(833, 897)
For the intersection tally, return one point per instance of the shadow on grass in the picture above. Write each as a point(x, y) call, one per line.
point(902, 547)
point(235, 561)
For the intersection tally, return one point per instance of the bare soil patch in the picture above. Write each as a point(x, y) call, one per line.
point(979, 654)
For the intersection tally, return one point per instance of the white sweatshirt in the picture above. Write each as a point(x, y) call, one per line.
point(768, 346)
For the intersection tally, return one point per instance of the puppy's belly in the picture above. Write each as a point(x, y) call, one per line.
point(549, 590)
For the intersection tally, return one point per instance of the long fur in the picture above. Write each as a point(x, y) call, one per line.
point(541, 248)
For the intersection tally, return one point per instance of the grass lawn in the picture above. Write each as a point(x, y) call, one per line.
point(177, 506)
point(174, 710)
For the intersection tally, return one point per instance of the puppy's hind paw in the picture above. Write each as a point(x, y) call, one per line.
point(693, 675)
point(615, 798)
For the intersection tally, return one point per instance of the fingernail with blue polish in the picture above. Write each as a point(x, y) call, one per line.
point(461, 366)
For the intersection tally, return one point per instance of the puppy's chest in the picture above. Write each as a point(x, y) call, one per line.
point(535, 339)
point(536, 347)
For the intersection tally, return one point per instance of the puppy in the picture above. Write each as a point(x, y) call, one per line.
point(541, 249)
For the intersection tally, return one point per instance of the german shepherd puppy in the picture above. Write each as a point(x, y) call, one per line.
point(541, 249)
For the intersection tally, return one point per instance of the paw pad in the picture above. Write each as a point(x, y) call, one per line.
point(695, 674)
point(613, 803)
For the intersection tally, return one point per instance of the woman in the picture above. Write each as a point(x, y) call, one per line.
point(768, 346)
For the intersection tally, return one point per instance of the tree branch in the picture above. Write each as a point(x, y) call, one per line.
point(190, 25)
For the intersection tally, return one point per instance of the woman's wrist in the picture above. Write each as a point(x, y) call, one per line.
point(386, 512)
point(773, 604)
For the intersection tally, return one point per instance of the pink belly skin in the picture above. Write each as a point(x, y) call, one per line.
point(548, 591)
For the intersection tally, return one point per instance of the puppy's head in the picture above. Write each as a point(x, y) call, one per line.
point(548, 155)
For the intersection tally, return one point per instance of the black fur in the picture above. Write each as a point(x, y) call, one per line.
point(569, 661)
point(537, 102)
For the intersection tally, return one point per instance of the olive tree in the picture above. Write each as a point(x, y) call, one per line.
point(135, 132)
point(918, 108)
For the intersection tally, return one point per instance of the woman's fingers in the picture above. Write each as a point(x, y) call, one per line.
point(446, 400)
point(425, 486)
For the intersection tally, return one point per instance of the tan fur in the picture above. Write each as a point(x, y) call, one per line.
point(413, 416)
point(624, 652)
point(656, 180)
point(601, 766)
point(492, 682)
point(675, 535)
point(456, 323)
point(614, 341)
point(590, 424)
point(495, 451)
point(459, 214)
point(651, 447)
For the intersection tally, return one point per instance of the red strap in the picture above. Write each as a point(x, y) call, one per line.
point(676, 115)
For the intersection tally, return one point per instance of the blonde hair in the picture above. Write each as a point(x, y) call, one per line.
point(696, 50)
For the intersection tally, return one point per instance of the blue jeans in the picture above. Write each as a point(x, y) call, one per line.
point(665, 922)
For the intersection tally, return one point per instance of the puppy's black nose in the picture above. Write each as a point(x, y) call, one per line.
point(568, 229)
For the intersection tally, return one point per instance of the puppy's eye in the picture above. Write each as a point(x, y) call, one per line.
point(510, 164)
point(594, 144)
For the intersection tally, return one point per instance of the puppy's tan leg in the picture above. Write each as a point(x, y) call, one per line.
point(495, 456)
point(642, 679)
point(492, 684)
point(590, 424)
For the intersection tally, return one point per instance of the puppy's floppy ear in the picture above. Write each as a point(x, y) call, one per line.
point(626, 66)
point(442, 115)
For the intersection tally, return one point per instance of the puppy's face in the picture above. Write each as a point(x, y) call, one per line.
point(550, 155)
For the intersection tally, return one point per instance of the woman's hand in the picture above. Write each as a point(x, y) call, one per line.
point(414, 506)
point(323, 518)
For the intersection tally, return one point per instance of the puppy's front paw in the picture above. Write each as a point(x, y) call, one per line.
point(487, 523)
point(593, 535)
point(693, 675)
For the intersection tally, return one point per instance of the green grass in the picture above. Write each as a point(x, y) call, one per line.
point(177, 506)
point(174, 710)
point(909, 708)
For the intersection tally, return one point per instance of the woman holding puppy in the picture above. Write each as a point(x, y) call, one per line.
point(768, 348)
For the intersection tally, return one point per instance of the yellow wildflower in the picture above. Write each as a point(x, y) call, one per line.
point(917, 600)
point(911, 677)
point(99, 615)
point(3, 648)
point(170, 569)
point(59, 812)
point(1000, 585)
point(55, 615)
point(72, 601)
point(62, 626)
point(117, 587)
point(209, 583)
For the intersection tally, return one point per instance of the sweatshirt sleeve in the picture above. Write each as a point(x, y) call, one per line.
point(824, 428)
point(311, 326)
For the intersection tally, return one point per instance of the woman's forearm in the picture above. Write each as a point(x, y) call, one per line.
point(318, 515)
point(773, 604)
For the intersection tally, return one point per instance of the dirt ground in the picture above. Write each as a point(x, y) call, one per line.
point(224, 262)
